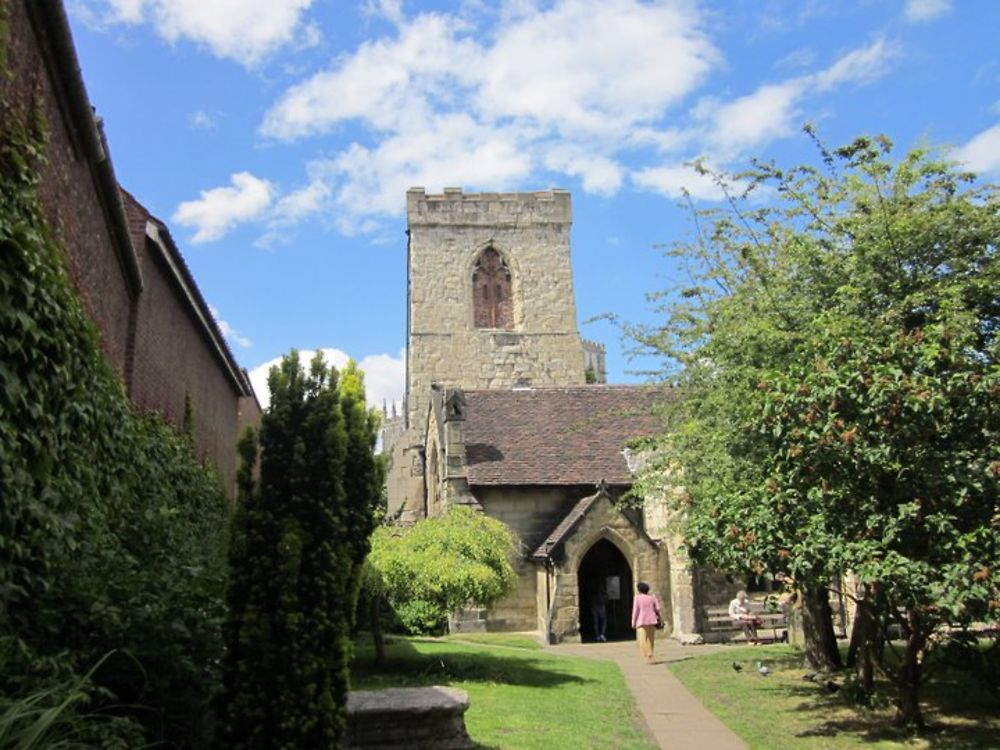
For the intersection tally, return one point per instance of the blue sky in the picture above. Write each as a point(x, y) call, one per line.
point(277, 138)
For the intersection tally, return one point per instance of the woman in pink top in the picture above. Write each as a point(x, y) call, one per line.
point(645, 616)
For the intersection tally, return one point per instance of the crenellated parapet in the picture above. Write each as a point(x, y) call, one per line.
point(454, 207)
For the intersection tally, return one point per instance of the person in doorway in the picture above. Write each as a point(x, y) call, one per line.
point(599, 610)
point(646, 619)
point(740, 614)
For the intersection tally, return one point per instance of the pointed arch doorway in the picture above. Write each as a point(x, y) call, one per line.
point(604, 566)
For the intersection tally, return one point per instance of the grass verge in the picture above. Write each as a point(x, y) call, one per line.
point(785, 711)
point(520, 698)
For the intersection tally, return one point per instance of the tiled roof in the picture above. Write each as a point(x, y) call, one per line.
point(556, 436)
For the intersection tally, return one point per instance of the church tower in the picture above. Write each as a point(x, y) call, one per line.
point(490, 293)
point(490, 306)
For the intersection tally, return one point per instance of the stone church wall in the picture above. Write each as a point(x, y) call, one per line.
point(405, 477)
point(447, 234)
point(644, 558)
point(531, 514)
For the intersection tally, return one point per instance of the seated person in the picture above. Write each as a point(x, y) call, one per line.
point(739, 612)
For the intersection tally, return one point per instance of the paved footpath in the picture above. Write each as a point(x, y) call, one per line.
point(675, 718)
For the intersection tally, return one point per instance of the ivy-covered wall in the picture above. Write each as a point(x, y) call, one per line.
point(112, 530)
point(155, 329)
point(68, 181)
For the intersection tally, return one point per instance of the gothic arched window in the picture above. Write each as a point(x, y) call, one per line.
point(492, 301)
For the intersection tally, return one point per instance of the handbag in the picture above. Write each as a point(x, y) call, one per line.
point(659, 623)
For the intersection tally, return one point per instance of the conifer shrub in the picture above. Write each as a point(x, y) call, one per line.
point(298, 542)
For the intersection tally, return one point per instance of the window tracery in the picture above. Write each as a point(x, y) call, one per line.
point(492, 300)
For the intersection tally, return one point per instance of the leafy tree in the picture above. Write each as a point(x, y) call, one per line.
point(838, 351)
point(299, 539)
point(439, 565)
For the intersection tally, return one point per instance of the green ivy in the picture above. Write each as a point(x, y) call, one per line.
point(112, 531)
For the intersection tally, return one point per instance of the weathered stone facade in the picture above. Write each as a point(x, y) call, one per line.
point(600, 521)
point(424, 718)
point(498, 416)
point(447, 233)
point(531, 513)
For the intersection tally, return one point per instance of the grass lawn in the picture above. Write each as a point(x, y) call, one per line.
point(519, 696)
point(785, 711)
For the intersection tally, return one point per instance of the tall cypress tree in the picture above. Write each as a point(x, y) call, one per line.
point(299, 538)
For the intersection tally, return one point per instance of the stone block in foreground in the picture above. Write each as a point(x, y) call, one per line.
point(425, 718)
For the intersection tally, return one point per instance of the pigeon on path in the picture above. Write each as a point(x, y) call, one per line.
point(763, 670)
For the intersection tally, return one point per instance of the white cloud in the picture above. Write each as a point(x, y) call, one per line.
point(220, 209)
point(301, 203)
point(385, 84)
point(243, 30)
point(374, 181)
point(583, 66)
point(384, 375)
point(862, 65)
point(228, 331)
point(201, 120)
point(390, 10)
point(727, 131)
point(575, 88)
point(674, 180)
point(753, 120)
point(773, 111)
point(595, 66)
point(664, 139)
point(126, 11)
point(599, 174)
point(566, 90)
point(799, 58)
point(982, 153)
point(918, 11)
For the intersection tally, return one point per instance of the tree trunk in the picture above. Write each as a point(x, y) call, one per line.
point(858, 636)
point(865, 645)
point(817, 626)
point(908, 685)
point(378, 637)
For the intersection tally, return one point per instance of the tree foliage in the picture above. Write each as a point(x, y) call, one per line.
point(299, 539)
point(111, 531)
point(839, 357)
point(440, 565)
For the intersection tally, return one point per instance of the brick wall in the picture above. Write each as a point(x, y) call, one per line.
point(155, 332)
point(173, 361)
point(79, 213)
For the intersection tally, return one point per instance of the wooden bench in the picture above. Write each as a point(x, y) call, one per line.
point(719, 627)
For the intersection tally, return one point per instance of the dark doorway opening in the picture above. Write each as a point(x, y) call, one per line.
point(605, 569)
